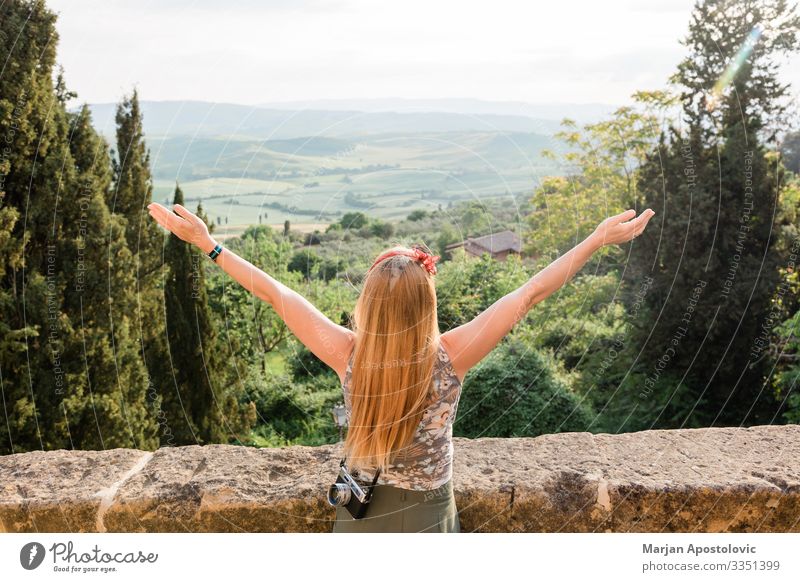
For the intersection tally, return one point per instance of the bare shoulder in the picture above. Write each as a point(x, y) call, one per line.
point(447, 344)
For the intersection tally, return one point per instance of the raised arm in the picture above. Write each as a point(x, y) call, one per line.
point(327, 340)
point(469, 343)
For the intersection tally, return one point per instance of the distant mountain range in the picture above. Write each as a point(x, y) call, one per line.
point(347, 118)
point(580, 112)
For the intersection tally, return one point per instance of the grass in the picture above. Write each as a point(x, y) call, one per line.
point(385, 175)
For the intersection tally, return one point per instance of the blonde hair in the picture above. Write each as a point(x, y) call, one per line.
point(397, 330)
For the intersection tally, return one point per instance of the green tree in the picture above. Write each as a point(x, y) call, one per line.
point(291, 412)
point(305, 261)
point(470, 285)
point(353, 220)
point(131, 193)
point(713, 256)
point(417, 215)
point(250, 326)
point(717, 31)
point(71, 377)
point(788, 378)
point(18, 405)
point(790, 148)
point(475, 219)
point(600, 162)
point(381, 229)
point(447, 235)
point(107, 405)
point(133, 187)
point(330, 268)
point(200, 408)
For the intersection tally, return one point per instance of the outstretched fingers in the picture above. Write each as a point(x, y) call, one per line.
point(623, 216)
point(641, 222)
point(165, 217)
point(183, 212)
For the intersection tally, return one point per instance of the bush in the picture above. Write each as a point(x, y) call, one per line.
point(381, 229)
point(670, 402)
point(329, 268)
point(518, 392)
point(305, 261)
point(469, 285)
point(303, 364)
point(293, 413)
point(786, 380)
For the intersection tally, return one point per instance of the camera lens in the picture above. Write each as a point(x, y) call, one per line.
point(339, 494)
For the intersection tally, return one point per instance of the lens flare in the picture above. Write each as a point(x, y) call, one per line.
point(733, 67)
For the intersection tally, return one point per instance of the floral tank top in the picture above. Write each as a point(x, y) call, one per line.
point(426, 463)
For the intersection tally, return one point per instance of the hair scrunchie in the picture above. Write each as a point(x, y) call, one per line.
point(428, 261)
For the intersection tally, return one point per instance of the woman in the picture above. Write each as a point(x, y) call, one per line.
point(401, 377)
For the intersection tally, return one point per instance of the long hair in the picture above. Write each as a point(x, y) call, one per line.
point(396, 329)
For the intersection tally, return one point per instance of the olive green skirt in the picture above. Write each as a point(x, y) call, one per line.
point(393, 509)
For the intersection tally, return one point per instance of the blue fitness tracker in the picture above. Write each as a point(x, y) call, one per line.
point(215, 253)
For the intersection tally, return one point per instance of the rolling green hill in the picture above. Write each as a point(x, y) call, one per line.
point(309, 167)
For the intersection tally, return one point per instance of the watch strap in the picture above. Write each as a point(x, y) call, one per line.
point(215, 252)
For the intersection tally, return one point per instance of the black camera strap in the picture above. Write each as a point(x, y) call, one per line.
point(377, 473)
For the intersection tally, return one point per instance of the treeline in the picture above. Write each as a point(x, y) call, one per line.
point(115, 335)
point(101, 346)
point(710, 290)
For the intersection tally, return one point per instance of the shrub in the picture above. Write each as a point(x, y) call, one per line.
point(295, 413)
point(516, 391)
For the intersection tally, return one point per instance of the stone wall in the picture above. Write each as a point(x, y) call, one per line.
point(695, 480)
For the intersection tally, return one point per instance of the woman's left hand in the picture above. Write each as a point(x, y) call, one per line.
point(614, 229)
point(185, 225)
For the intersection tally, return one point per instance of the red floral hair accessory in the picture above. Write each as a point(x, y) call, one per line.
point(428, 261)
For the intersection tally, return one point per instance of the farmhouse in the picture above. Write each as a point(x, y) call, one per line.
point(498, 244)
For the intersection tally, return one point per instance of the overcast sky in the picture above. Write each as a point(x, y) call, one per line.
point(250, 51)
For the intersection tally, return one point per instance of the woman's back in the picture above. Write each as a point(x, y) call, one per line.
point(427, 463)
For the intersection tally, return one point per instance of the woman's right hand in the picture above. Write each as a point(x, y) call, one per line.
point(614, 230)
point(185, 225)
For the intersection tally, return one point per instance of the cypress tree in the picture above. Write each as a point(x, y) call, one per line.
point(33, 132)
point(61, 387)
point(108, 406)
point(197, 404)
point(133, 184)
point(132, 192)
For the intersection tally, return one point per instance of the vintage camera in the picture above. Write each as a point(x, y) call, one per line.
point(351, 493)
